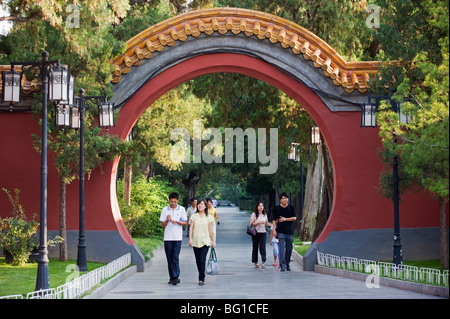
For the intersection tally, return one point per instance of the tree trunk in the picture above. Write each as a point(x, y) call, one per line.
point(322, 217)
point(62, 221)
point(443, 233)
point(148, 171)
point(191, 182)
point(313, 197)
point(326, 169)
point(127, 174)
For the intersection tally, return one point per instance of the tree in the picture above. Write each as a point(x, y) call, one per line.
point(415, 36)
point(178, 108)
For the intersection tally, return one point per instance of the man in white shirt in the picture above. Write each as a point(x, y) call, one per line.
point(173, 218)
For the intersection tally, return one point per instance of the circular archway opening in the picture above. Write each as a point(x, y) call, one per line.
point(257, 70)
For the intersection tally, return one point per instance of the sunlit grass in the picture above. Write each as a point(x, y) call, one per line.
point(16, 280)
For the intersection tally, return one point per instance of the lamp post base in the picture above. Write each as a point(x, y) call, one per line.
point(398, 257)
point(81, 259)
point(42, 278)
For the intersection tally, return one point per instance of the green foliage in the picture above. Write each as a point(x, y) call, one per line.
point(340, 23)
point(177, 108)
point(17, 234)
point(141, 16)
point(416, 36)
point(148, 198)
point(87, 48)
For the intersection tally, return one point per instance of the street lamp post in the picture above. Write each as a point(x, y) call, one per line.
point(368, 119)
point(57, 86)
point(106, 119)
point(294, 155)
point(58, 76)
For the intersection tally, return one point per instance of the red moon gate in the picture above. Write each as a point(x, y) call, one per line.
point(267, 48)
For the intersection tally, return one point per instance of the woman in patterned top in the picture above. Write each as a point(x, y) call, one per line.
point(259, 221)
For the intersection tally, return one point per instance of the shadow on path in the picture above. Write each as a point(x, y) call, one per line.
point(238, 279)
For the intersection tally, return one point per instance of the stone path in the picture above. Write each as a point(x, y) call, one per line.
point(238, 279)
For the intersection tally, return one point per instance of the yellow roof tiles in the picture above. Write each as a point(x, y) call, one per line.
point(349, 75)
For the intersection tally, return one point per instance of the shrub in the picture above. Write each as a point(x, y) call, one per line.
point(147, 200)
point(17, 234)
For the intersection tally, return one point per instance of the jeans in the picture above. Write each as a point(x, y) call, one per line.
point(172, 249)
point(285, 242)
point(200, 259)
point(259, 241)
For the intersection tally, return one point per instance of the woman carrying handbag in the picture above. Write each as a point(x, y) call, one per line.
point(201, 236)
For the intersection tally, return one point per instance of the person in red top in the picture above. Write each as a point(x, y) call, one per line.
point(283, 223)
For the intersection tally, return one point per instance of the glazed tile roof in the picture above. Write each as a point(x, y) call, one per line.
point(27, 85)
point(350, 75)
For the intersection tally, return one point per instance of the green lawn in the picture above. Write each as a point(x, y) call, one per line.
point(302, 249)
point(22, 280)
point(148, 245)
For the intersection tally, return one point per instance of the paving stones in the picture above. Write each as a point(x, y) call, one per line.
point(238, 279)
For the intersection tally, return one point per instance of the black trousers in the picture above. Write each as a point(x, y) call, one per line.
point(200, 259)
point(259, 241)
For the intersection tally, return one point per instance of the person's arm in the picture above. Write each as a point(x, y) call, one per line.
point(183, 223)
point(287, 219)
point(191, 228)
point(293, 218)
point(217, 216)
point(252, 219)
point(184, 218)
point(211, 234)
point(271, 236)
point(267, 222)
point(165, 222)
point(275, 221)
point(274, 225)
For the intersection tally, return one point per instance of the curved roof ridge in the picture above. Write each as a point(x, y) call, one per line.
point(349, 75)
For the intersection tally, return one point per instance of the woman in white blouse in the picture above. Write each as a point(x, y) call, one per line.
point(259, 221)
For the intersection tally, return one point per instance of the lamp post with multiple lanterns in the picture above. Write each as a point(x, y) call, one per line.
point(368, 119)
point(57, 85)
point(74, 118)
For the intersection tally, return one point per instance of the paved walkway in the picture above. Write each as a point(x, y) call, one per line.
point(238, 279)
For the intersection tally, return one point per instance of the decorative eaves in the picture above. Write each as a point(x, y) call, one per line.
point(349, 75)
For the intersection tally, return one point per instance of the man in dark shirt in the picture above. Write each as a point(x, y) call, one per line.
point(283, 223)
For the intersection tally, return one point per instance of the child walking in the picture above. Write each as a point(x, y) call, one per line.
point(274, 243)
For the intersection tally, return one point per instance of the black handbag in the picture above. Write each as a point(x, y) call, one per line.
point(251, 231)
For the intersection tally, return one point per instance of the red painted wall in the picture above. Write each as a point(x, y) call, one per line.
point(353, 150)
point(20, 167)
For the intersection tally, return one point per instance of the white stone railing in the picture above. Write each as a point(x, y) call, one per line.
point(384, 269)
point(80, 285)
